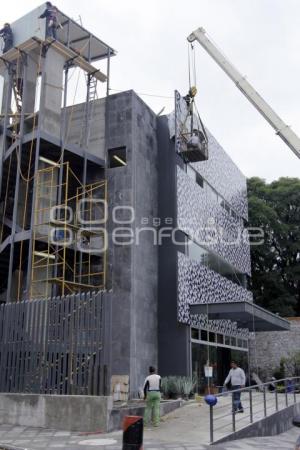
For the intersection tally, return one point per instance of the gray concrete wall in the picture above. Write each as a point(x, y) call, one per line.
point(62, 412)
point(173, 337)
point(133, 268)
point(145, 252)
point(51, 93)
point(74, 126)
point(267, 349)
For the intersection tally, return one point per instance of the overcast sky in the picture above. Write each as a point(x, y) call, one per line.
point(261, 38)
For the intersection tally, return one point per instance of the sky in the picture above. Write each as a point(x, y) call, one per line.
point(260, 37)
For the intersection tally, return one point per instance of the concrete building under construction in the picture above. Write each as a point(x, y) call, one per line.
point(111, 256)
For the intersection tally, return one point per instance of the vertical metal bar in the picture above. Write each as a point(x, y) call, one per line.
point(105, 243)
point(106, 341)
point(294, 390)
point(108, 74)
point(68, 34)
point(211, 423)
point(251, 406)
point(67, 313)
point(233, 415)
point(90, 49)
point(8, 86)
point(286, 393)
point(71, 345)
point(265, 401)
point(276, 398)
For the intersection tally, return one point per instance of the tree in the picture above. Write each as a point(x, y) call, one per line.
point(275, 207)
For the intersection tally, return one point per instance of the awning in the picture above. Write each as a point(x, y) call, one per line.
point(246, 314)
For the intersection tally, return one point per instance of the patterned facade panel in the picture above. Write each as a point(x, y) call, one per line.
point(221, 172)
point(219, 326)
point(200, 215)
point(198, 284)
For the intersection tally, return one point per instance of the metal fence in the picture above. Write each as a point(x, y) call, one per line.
point(56, 346)
point(259, 402)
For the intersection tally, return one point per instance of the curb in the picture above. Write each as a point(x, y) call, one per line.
point(9, 447)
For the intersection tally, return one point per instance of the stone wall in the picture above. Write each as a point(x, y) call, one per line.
point(268, 348)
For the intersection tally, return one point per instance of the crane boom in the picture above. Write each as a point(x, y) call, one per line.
point(283, 130)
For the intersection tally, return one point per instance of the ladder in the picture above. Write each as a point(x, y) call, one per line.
point(17, 90)
point(91, 83)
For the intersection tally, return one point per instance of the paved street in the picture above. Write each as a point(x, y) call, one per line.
point(36, 438)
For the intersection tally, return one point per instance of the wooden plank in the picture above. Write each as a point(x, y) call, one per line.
point(13, 54)
point(78, 60)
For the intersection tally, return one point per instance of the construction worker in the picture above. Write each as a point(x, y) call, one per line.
point(152, 388)
point(7, 36)
point(50, 14)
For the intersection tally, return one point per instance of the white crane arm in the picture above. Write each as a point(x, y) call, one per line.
point(283, 130)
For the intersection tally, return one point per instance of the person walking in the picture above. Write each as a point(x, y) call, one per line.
point(237, 378)
point(152, 389)
point(50, 14)
point(7, 36)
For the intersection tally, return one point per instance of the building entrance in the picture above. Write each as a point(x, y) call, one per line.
point(219, 358)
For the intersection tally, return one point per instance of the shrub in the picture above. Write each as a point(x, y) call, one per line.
point(173, 386)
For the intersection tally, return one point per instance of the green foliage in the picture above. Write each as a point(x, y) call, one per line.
point(173, 386)
point(291, 364)
point(279, 373)
point(275, 208)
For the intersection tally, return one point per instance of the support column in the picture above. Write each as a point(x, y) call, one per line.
point(51, 93)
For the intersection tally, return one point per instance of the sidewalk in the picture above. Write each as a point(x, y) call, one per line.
point(186, 428)
point(38, 439)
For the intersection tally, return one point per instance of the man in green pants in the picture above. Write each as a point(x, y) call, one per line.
point(152, 388)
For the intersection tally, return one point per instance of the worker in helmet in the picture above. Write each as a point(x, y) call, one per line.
point(50, 14)
point(7, 36)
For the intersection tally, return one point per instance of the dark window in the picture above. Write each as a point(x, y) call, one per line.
point(212, 337)
point(117, 157)
point(203, 335)
point(199, 179)
point(233, 341)
point(195, 333)
point(227, 340)
point(220, 339)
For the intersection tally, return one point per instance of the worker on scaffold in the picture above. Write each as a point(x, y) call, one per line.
point(50, 14)
point(7, 36)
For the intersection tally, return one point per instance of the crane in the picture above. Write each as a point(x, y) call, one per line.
point(281, 128)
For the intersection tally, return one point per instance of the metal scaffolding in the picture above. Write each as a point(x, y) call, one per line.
point(69, 236)
point(75, 174)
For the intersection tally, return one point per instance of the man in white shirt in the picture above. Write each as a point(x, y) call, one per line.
point(237, 378)
point(152, 388)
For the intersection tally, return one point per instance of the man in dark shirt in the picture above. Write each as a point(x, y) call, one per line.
point(50, 14)
point(7, 36)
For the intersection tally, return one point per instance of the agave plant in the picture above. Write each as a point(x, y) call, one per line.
point(165, 386)
point(187, 385)
point(173, 386)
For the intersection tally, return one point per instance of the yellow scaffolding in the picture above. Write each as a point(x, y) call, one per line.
point(69, 233)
